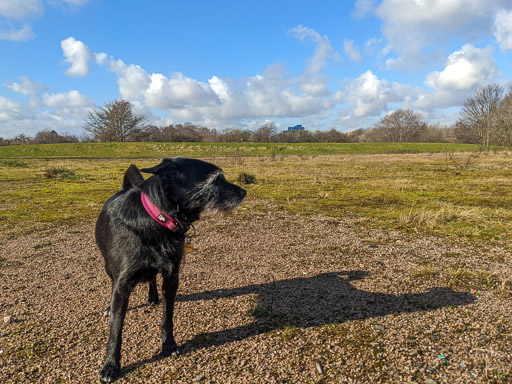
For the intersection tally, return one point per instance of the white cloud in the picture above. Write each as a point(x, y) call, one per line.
point(12, 33)
point(21, 9)
point(370, 96)
point(376, 46)
point(157, 90)
point(178, 91)
point(503, 29)
point(352, 51)
point(29, 119)
point(72, 3)
point(363, 7)
point(78, 55)
point(323, 49)
point(25, 86)
point(271, 94)
point(312, 81)
point(465, 70)
point(63, 112)
point(421, 26)
point(12, 16)
point(131, 79)
point(14, 13)
point(67, 99)
point(9, 110)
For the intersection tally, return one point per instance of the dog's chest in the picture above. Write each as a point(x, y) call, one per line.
point(165, 257)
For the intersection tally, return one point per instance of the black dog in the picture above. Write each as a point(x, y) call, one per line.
point(141, 231)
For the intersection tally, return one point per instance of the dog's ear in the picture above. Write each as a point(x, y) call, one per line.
point(132, 177)
point(166, 164)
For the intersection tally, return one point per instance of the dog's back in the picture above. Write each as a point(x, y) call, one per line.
point(132, 179)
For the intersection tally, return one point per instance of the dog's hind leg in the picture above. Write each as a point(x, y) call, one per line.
point(119, 304)
point(106, 312)
point(169, 288)
point(153, 292)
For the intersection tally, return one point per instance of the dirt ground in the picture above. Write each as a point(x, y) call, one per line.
point(267, 299)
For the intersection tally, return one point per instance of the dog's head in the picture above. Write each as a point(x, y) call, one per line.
point(195, 186)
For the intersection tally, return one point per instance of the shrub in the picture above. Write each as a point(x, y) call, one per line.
point(246, 178)
point(59, 173)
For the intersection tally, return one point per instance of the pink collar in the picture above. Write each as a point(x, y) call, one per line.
point(160, 217)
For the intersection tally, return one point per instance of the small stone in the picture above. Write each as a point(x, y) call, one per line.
point(430, 381)
point(506, 286)
point(7, 319)
point(197, 379)
point(318, 366)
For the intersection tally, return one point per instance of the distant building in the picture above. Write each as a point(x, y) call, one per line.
point(296, 128)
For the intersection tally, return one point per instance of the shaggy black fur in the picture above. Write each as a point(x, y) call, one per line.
point(136, 248)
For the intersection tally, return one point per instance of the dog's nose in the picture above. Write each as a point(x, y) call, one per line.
point(243, 193)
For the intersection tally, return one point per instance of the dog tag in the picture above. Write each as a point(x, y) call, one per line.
point(189, 247)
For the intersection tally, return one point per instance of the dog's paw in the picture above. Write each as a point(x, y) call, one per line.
point(170, 350)
point(110, 373)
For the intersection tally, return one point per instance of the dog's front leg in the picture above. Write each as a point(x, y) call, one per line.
point(169, 288)
point(112, 367)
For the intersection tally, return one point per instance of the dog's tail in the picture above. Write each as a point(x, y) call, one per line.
point(132, 177)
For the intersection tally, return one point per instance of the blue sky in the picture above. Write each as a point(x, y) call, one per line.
point(324, 64)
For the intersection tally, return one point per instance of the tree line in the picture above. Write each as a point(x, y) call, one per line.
point(485, 119)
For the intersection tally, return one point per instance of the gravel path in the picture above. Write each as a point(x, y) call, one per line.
point(267, 299)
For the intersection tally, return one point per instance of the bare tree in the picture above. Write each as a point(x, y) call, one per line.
point(20, 139)
point(116, 121)
point(331, 136)
point(235, 135)
point(402, 125)
point(302, 136)
point(503, 120)
point(478, 116)
point(52, 137)
point(265, 133)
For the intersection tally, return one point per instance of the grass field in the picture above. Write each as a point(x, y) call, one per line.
point(464, 193)
point(219, 149)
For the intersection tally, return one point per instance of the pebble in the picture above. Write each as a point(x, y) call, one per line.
point(7, 319)
point(318, 366)
point(430, 381)
point(197, 379)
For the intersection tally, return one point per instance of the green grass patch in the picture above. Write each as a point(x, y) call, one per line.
point(59, 173)
point(422, 192)
point(13, 163)
point(221, 149)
